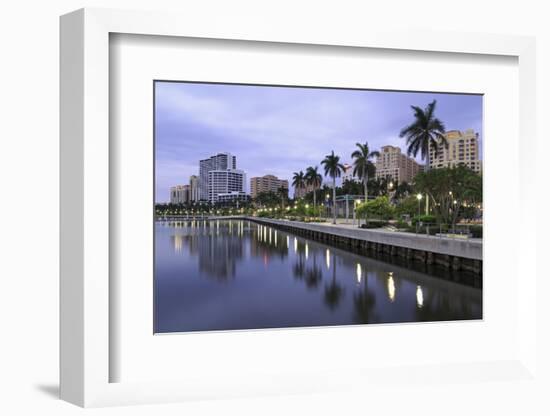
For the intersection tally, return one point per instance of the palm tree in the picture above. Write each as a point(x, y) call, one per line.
point(334, 169)
point(424, 132)
point(314, 179)
point(283, 193)
point(362, 164)
point(298, 180)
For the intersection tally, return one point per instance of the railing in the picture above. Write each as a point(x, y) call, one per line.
point(446, 230)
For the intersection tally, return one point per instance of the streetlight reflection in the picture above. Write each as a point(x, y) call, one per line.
point(391, 287)
point(178, 243)
point(419, 297)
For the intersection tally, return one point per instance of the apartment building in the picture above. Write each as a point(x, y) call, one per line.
point(462, 149)
point(225, 182)
point(220, 161)
point(266, 183)
point(194, 189)
point(396, 165)
point(179, 194)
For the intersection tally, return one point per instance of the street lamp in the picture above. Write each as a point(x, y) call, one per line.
point(357, 202)
point(419, 197)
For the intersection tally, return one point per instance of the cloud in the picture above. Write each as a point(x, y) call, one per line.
point(281, 130)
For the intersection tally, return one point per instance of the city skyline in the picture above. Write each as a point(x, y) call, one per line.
point(280, 130)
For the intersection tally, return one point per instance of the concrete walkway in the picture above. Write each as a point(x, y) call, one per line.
point(471, 248)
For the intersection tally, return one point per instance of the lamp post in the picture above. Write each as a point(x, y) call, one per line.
point(356, 203)
point(419, 197)
point(327, 197)
point(390, 188)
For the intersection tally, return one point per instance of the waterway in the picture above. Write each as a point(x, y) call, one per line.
point(237, 274)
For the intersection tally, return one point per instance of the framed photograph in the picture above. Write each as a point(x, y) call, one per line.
point(268, 212)
point(333, 231)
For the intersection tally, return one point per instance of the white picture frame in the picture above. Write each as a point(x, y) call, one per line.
point(85, 210)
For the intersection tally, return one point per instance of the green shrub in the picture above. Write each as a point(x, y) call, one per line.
point(476, 231)
point(374, 224)
point(427, 229)
point(401, 224)
point(425, 219)
point(379, 208)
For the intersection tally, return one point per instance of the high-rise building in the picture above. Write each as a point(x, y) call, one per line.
point(224, 182)
point(462, 149)
point(221, 161)
point(348, 174)
point(395, 165)
point(194, 190)
point(232, 197)
point(266, 183)
point(179, 194)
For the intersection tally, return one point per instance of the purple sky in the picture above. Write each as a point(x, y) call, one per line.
point(278, 130)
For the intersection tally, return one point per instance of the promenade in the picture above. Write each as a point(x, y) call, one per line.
point(457, 253)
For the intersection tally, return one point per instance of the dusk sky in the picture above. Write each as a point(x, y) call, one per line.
point(281, 130)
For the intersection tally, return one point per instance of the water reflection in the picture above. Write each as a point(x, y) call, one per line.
point(333, 291)
point(238, 274)
point(391, 287)
point(419, 297)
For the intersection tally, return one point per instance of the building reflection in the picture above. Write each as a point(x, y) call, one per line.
point(218, 246)
point(267, 243)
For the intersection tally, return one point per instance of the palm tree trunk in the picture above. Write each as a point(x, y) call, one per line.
point(427, 170)
point(366, 195)
point(314, 201)
point(334, 199)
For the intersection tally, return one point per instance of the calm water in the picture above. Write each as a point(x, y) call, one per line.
point(222, 275)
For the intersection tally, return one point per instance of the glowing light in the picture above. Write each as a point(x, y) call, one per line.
point(287, 241)
point(328, 258)
point(359, 273)
point(419, 196)
point(295, 244)
point(419, 297)
point(178, 243)
point(391, 287)
point(307, 251)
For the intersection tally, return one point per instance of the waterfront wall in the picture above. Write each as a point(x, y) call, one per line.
point(458, 254)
